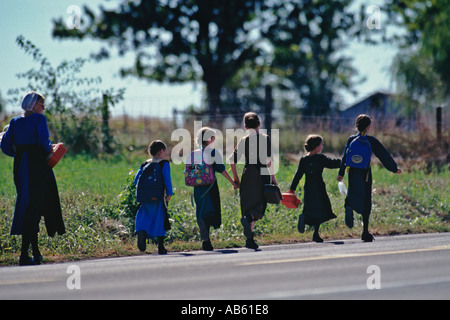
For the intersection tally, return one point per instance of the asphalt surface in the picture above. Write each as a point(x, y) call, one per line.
point(396, 267)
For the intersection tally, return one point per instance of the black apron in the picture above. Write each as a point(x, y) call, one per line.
point(37, 193)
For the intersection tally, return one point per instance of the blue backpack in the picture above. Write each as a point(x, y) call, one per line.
point(150, 186)
point(358, 153)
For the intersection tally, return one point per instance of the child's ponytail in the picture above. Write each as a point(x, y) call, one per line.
point(312, 142)
point(362, 122)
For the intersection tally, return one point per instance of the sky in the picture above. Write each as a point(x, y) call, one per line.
point(33, 20)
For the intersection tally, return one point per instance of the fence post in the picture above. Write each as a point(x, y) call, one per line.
point(105, 125)
point(268, 105)
point(439, 123)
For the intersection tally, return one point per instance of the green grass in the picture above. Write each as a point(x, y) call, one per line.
point(98, 209)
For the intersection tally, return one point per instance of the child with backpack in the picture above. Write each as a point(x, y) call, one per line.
point(206, 196)
point(317, 205)
point(357, 154)
point(153, 192)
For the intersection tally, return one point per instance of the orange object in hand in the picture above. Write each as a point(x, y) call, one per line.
point(290, 200)
point(58, 151)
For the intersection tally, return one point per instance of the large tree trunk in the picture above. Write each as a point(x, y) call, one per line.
point(214, 88)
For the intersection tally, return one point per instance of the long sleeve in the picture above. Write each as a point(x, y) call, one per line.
point(43, 135)
point(298, 175)
point(383, 154)
point(342, 166)
point(7, 143)
point(167, 179)
point(218, 161)
point(138, 175)
point(239, 151)
point(331, 163)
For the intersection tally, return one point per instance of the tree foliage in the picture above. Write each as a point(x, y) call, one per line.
point(308, 37)
point(178, 41)
point(422, 68)
point(74, 104)
point(214, 40)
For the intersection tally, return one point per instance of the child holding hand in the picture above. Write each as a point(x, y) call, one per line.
point(207, 197)
point(317, 206)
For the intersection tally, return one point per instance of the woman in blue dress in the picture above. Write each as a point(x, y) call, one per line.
point(27, 140)
point(151, 216)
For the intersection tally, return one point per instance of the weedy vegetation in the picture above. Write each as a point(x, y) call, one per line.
point(99, 207)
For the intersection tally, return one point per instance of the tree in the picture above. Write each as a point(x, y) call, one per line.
point(419, 87)
point(422, 67)
point(307, 38)
point(427, 25)
point(178, 40)
point(74, 104)
point(303, 61)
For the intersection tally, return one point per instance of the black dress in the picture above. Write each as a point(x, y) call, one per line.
point(256, 148)
point(316, 204)
point(359, 194)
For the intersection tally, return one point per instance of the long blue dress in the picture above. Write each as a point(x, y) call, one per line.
point(150, 216)
point(27, 140)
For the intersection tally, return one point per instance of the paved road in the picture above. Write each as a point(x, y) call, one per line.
point(403, 267)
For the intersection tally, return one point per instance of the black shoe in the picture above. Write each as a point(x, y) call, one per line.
point(207, 246)
point(37, 259)
point(141, 239)
point(247, 228)
point(317, 238)
point(367, 237)
point(349, 217)
point(162, 250)
point(251, 244)
point(301, 223)
point(26, 261)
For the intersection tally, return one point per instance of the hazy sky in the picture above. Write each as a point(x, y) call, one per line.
point(33, 20)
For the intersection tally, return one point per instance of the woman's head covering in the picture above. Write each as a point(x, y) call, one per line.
point(29, 100)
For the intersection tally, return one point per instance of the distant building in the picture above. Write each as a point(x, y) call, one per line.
point(380, 106)
point(377, 105)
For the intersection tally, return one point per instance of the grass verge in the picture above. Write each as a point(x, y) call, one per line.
point(98, 205)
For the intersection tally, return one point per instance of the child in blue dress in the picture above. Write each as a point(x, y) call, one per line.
point(150, 217)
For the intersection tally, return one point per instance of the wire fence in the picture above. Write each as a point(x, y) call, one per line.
point(141, 120)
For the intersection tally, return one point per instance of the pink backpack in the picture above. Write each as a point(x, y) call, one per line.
point(198, 172)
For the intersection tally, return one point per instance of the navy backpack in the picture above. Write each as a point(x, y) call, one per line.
point(150, 186)
point(358, 153)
